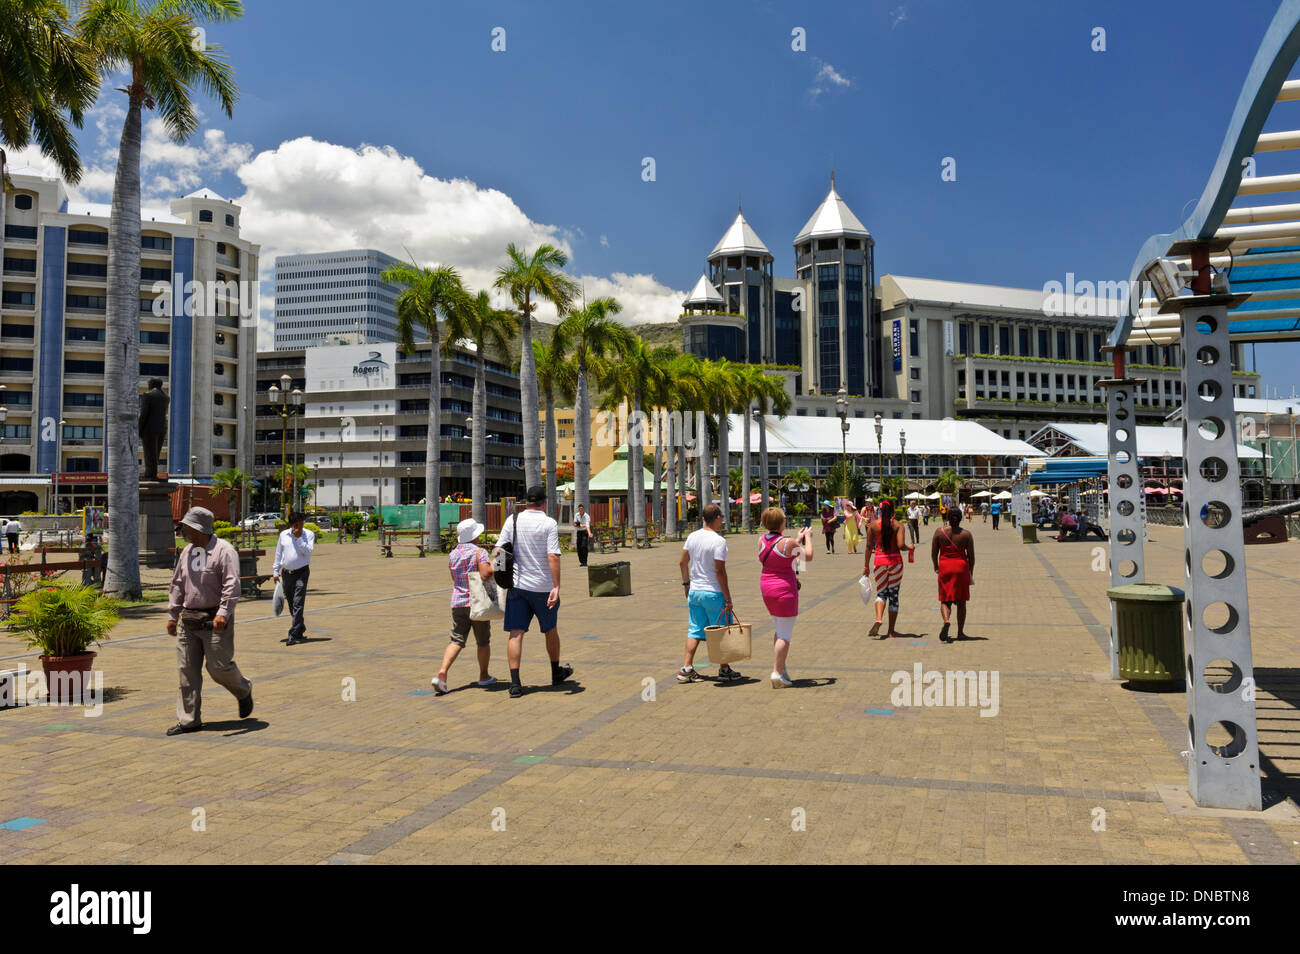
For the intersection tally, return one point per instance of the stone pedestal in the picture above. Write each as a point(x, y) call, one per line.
point(157, 528)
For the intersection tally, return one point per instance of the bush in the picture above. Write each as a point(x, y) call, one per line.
point(221, 524)
point(227, 532)
point(281, 524)
point(314, 528)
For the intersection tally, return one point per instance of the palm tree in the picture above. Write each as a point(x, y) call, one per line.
point(720, 383)
point(592, 335)
point(639, 371)
point(661, 395)
point(770, 397)
point(153, 42)
point(48, 79)
point(529, 281)
point(554, 378)
point(229, 482)
point(485, 327)
point(426, 293)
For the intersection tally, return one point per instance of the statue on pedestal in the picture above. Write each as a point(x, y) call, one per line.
point(153, 426)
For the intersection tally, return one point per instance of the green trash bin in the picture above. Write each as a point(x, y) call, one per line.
point(1149, 634)
point(1029, 533)
point(609, 579)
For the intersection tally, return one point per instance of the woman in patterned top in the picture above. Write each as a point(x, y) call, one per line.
point(467, 557)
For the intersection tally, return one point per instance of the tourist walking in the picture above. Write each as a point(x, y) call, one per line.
point(12, 529)
point(852, 526)
point(885, 546)
point(292, 562)
point(466, 557)
point(582, 524)
point(995, 510)
point(829, 522)
point(780, 586)
point(535, 591)
point(201, 615)
point(984, 510)
point(708, 593)
point(952, 551)
point(914, 521)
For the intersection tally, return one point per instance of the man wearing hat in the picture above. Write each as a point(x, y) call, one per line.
point(467, 557)
point(204, 591)
point(536, 588)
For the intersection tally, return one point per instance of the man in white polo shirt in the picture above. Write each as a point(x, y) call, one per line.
point(708, 593)
point(293, 552)
point(535, 592)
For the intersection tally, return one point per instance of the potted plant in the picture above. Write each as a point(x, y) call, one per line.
point(62, 621)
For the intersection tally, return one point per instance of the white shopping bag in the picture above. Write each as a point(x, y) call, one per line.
point(277, 598)
point(864, 584)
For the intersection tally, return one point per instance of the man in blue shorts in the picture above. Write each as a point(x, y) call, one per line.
point(536, 589)
point(708, 595)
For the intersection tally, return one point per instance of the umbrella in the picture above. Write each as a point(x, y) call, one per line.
point(934, 496)
point(1005, 495)
point(1038, 493)
point(982, 493)
point(915, 495)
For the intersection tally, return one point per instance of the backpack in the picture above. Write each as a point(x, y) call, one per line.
point(503, 561)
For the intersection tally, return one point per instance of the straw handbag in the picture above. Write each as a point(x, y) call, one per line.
point(728, 642)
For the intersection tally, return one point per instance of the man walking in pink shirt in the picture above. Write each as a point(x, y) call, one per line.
point(204, 591)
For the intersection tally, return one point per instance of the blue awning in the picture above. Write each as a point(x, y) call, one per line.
point(1068, 470)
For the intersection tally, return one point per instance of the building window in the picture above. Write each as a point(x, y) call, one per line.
point(230, 221)
point(963, 338)
point(986, 339)
point(1024, 351)
point(1004, 340)
point(205, 215)
point(913, 336)
point(1043, 351)
point(916, 397)
point(1080, 348)
point(916, 374)
point(23, 202)
point(821, 412)
point(1062, 346)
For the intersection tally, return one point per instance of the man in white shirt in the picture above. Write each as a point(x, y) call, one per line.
point(582, 523)
point(535, 592)
point(292, 561)
point(12, 529)
point(708, 594)
point(914, 521)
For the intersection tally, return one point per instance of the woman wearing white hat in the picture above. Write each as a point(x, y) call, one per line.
point(466, 558)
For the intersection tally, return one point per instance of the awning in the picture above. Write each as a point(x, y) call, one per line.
point(1069, 470)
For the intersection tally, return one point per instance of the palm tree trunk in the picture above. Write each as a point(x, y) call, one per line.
point(551, 509)
point(122, 359)
point(432, 442)
point(703, 487)
point(478, 439)
point(683, 468)
point(636, 454)
point(656, 509)
point(762, 456)
point(724, 461)
point(670, 498)
point(528, 400)
point(744, 472)
point(582, 440)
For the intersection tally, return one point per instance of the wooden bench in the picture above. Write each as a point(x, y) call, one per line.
point(388, 540)
point(604, 540)
point(10, 570)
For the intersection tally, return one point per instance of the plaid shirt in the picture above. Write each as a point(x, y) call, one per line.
point(464, 560)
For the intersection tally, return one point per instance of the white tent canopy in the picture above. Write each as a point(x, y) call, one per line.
point(983, 493)
point(1005, 495)
point(934, 496)
point(821, 435)
point(1152, 442)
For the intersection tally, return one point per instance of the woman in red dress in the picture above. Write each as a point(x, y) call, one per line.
point(952, 551)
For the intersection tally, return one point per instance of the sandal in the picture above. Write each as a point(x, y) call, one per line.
point(943, 633)
point(875, 629)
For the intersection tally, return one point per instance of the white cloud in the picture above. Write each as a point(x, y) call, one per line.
point(827, 77)
point(604, 241)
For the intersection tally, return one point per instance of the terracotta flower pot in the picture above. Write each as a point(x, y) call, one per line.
point(60, 681)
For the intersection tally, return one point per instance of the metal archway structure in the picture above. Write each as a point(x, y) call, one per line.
point(1242, 265)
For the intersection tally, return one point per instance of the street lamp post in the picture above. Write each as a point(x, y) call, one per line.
point(193, 464)
point(842, 409)
point(880, 451)
point(342, 424)
point(407, 489)
point(902, 453)
point(286, 404)
point(58, 452)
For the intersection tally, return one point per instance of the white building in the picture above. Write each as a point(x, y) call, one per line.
point(321, 294)
point(52, 337)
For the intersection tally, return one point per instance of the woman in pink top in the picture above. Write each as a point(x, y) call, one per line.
point(780, 586)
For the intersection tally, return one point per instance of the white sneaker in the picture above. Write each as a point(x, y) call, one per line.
point(439, 686)
point(780, 680)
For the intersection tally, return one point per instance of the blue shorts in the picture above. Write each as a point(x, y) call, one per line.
point(705, 607)
point(523, 605)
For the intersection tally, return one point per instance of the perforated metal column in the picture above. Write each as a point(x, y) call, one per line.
point(1223, 768)
point(1127, 564)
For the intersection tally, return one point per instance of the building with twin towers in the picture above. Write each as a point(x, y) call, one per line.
point(1013, 359)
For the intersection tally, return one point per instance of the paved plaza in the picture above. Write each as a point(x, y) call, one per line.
point(624, 764)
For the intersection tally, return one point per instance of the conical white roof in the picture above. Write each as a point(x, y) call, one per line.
point(740, 238)
point(832, 218)
point(704, 293)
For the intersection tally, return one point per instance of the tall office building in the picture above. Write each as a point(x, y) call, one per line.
point(329, 293)
point(52, 337)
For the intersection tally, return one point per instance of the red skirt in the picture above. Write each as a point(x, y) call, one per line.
point(954, 579)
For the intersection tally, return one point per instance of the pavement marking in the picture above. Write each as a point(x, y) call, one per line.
point(880, 712)
point(530, 759)
point(1257, 841)
point(420, 692)
point(21, 824)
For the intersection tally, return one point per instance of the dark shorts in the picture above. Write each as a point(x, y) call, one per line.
point(523, 605)
point(461, 625)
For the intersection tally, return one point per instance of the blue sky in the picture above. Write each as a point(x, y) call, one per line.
point(1067, 159)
